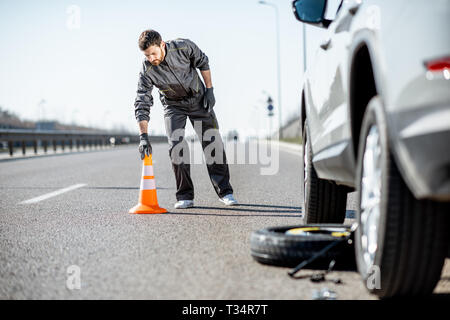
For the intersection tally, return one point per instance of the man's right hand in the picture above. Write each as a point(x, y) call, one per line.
point(145, 148)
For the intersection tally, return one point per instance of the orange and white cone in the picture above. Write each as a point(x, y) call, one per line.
point(148, 202)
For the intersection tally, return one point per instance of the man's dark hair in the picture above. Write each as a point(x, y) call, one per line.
point(149, 38)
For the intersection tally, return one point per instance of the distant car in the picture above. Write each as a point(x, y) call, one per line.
point(376, 119)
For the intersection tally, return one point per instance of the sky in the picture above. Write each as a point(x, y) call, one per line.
point(78, 61)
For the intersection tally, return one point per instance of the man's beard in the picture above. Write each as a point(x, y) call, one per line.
point(156, 62)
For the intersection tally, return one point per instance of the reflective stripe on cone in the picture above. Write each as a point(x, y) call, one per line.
point(148, 184)
point(147, 171)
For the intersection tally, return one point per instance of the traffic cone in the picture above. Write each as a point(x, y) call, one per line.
point(148, 203)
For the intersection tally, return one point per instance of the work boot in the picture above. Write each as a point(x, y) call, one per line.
point(228, 200)
point(183, 204)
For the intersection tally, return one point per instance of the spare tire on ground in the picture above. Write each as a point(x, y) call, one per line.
point(290, 245)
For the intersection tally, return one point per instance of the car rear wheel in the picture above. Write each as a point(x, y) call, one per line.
point(323, 200)
point(400, 242)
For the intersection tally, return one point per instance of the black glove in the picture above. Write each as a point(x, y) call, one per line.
point(145, 148)
point(208, 99)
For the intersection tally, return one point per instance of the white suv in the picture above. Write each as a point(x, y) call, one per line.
point(376, 119)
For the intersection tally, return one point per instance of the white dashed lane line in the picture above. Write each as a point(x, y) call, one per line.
point(53, 194)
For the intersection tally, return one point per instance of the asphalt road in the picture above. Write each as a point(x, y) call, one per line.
point(197, 253)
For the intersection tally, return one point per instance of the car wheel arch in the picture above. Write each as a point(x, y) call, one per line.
point(362, 87)
point(365, 47)
point(302, 111)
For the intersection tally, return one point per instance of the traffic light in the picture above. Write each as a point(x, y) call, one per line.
point(270, 106)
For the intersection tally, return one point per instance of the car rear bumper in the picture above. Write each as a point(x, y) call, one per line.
point(422, 140)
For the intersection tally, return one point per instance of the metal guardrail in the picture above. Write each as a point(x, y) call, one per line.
point(73, 139)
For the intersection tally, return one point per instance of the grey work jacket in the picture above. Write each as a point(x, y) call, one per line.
point(176, 78)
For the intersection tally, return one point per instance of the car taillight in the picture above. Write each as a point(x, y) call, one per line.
point(438, 64)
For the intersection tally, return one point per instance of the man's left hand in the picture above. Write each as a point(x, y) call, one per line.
point(208, 99)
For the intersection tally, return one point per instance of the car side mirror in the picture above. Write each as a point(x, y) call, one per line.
point(311, 12)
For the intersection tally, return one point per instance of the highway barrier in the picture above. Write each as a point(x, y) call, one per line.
point(20, 138)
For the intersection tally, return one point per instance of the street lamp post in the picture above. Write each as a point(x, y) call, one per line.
point(278, 62)
point(257, 120)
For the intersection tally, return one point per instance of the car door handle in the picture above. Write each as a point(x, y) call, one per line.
point(325, 45)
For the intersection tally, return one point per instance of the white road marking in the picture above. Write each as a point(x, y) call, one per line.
point(53, 194)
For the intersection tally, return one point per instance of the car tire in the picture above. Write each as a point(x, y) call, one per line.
point(401, 242)
point(274, 246)
point(323, 201)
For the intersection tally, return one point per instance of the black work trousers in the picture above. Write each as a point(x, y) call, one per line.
point(207, 130)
